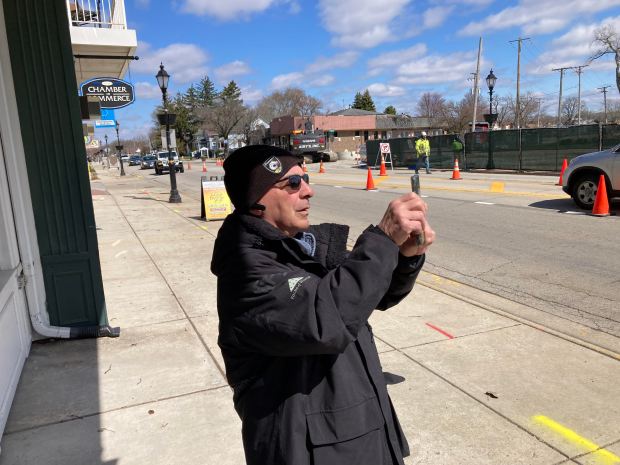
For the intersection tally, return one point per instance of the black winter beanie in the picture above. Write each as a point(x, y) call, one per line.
point(251, 171)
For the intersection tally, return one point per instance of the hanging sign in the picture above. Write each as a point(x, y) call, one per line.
point(111, 92)
point(215, 204)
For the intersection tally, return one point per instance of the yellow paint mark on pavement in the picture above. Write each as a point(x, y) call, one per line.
point(602, 456)
point(497, 186)
point(121, 253)
point(204, 227)
point(116, 243)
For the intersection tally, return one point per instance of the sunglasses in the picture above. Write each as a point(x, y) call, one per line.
point(294, 181)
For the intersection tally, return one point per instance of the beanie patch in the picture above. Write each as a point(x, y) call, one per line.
point(273, 165)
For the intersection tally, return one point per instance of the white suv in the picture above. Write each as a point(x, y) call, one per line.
point(580, 179)
point(161, 164)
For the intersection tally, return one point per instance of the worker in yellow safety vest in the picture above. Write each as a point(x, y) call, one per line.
point(423, 151)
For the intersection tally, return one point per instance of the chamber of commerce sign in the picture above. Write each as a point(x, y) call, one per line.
point(111, 92)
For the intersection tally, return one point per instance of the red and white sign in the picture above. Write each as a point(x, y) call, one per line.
point(384, 147)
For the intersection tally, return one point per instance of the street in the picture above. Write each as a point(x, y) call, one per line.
point(529, 244)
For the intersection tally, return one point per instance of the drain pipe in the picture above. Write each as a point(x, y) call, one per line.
point(42, 327)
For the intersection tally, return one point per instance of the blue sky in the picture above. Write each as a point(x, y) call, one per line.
point(398, 49)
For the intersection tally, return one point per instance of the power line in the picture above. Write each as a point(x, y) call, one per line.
point(518, 106)
point(579, 68)
point(561, 70)
point(604, 91)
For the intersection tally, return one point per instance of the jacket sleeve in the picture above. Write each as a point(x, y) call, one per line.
point(403, 279)
point(282, 310)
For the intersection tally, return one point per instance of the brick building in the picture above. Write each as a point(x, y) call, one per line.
point(349, 129)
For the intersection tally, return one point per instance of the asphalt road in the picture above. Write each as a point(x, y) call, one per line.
point(517, 236)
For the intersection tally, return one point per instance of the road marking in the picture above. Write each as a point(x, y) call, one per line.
point(448, 335)
point(338, 187)
point(122, 252)
point(574, 213)
point(116, 243)
point(497, 186)
point(603, 456)
point(424, 196)
point(484, 203)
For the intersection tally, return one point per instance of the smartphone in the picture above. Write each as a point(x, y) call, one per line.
point(415, 187)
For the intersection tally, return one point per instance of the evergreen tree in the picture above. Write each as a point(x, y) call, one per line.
point(389, 110)
point(206, 91)
point(367, 103)
point(358, 102)
point(231, 92)
point(191, 99)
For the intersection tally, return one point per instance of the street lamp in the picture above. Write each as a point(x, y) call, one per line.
point(106, 149)
point(491, 80)
point(162, 80)
point(119, 147)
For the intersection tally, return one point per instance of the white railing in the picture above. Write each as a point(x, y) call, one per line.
point(108, 14)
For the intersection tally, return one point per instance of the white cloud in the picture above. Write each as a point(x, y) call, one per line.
point(147, 90)
point(283, 81)
point(436, 69)
point(389, 61)
point(538, 16)
point(340, 60)
point(250, 95)
point(226, 10)
point(184, 62)
point(383, 90)
point(231, 70)
point(572, 49)
point(434, 17)
point(321, 81)
point(361, 23)
point(314, 73)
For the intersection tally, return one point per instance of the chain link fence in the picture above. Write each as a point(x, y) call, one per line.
point(540, 149)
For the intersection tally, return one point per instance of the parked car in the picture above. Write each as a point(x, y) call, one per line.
point(135, 160)
point(581, 177)
point(125, 158)
point(148, 161)
point(162, 164)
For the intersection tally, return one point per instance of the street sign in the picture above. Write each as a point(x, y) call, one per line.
point(215, 203)
point(173, 139)
point(385, 147)
point(111, 92)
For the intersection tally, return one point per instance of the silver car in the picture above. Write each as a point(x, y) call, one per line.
point(581, 177)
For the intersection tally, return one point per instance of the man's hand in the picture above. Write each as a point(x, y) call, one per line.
point(404, 219)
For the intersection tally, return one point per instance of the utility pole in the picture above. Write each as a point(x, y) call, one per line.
point(538, 123)
point(604, 91)
point(561, 70)
point(518, 102)
point(476, 77)
point(579, 68)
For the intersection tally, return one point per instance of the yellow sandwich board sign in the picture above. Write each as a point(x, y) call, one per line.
point(215, 204)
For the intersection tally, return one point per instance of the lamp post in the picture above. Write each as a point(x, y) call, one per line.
point(106, 149)
point(119, 147)
point(162, 80)
point(491, 79)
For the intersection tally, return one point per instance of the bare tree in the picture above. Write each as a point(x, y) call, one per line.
point(570, 110)
point(456, 116)
point(223, 116)
point(607, 41)
point(431, 105)
point(292, 101)
point(528, 110)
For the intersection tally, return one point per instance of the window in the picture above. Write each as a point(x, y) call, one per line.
point(357, 133)
point(365, 136)
point(376, 135)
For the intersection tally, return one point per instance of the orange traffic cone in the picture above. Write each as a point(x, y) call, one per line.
point(564, 166)
point(304, 167)
point(382, 171)
point(601, 204)
point(370, 184)
point(456, 173)
point(204, 166)
point(321, 167)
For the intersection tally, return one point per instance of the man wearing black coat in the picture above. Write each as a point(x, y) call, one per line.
point(293, 306)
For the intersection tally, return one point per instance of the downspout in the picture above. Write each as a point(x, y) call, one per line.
point(42, 327)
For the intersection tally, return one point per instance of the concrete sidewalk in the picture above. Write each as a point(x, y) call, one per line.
point(481, 386)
